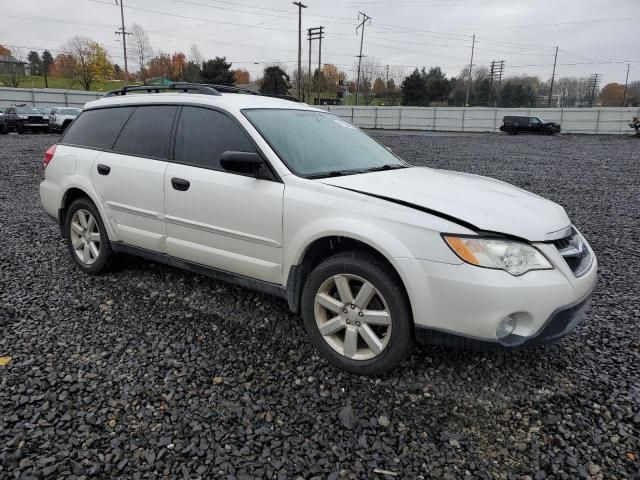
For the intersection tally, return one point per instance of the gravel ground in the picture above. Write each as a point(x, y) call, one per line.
point(152, 372)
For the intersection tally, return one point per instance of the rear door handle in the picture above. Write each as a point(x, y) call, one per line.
point(180, 184)
point(104, 169)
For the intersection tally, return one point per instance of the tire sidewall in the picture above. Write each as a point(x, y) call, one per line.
point(391, 288)
point(101, 264)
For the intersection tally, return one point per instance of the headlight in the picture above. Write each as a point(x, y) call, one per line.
point(511, 256)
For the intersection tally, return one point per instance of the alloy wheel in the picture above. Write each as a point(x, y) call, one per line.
point(85, 236)
point(353, 317)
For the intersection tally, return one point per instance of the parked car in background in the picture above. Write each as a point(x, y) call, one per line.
point(635, 123)
point(4, 128)
point(294, 201)
point(23, 118)
point(516, 124)
point(61, 117)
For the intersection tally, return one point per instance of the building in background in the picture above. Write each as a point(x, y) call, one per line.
point(11, 66)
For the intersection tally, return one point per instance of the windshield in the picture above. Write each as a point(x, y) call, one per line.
point(316, 144)
point(69, 111)
point(27, 110)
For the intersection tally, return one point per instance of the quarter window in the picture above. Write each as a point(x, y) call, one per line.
point(204, 135)
point(148, 132)
point(97, 128)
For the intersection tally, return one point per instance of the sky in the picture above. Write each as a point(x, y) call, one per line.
point(593, 36)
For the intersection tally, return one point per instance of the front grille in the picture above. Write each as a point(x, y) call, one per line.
point(575, 252)
point(35, 120)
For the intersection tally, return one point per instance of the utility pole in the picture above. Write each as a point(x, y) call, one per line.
point(500, 71)
point(491, 74)
point(122, 31)
point(626, 83)
point(594, 80)
point(386, 86)
point(319, 61)
point(365, 18)
point(473, 46)
point(553, 77)
point(315, 33)
point(300, 7)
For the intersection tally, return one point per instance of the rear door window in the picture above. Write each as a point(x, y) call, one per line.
point(97, 128)
point(203, 135)
point(147, 133)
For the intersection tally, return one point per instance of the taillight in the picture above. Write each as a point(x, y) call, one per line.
point(48, 155)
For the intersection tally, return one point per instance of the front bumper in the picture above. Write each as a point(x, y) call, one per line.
point(453, 302)
point(559, 324)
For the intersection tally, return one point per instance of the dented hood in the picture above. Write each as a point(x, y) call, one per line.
point(481, 202)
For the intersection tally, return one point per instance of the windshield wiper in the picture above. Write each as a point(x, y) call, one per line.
point(334, 173)
point(388, 166)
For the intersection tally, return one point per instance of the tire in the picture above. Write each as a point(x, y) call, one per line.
point(4, 129)
point(393, 340)
point(94, 264)
point(20, 129)
point(513, 131)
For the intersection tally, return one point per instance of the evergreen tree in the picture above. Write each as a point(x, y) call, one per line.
point(217, 71)
point(275, 81)
point(35, 63)
point(414, 89)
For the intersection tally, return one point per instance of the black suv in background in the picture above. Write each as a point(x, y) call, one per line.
point(514, 125)
point(22, 118)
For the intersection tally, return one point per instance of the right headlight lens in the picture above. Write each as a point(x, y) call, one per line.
point(516, 258)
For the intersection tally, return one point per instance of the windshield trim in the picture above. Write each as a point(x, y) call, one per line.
point(311, 176)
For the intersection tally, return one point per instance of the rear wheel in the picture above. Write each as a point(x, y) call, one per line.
point(512, 131)
point(87, 238)
point(357, 314)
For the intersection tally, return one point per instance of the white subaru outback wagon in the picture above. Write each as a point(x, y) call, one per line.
point(282, 197)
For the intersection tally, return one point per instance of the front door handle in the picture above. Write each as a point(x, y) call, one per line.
point(180, 184)
point(104, 169)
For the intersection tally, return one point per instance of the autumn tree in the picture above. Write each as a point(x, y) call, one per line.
point(241, 76)
point(62, 66)
point(141, 47)
point(612, 95)
point(4, 51)
point(178, 64)
point(90, 61)
point(195, 56)
point(217, 71)
point(275, 81)
point(160, 66)
point(378, 87)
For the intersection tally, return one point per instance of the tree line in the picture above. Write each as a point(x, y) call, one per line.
point(84, 61)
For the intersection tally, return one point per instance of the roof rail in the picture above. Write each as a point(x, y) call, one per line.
point(202, 88)
point(176, 86)
point(230, 89)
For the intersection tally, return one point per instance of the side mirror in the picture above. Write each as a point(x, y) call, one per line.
point(245, 163)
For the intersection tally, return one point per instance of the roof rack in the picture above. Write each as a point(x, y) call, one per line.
point(229, 89)
point(202, 88)
point(176, 86)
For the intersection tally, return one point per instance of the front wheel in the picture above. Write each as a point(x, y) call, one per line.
point(87, 237)
point(357, 313)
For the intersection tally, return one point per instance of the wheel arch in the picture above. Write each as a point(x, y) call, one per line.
point(70, 195)
point(322, 247)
